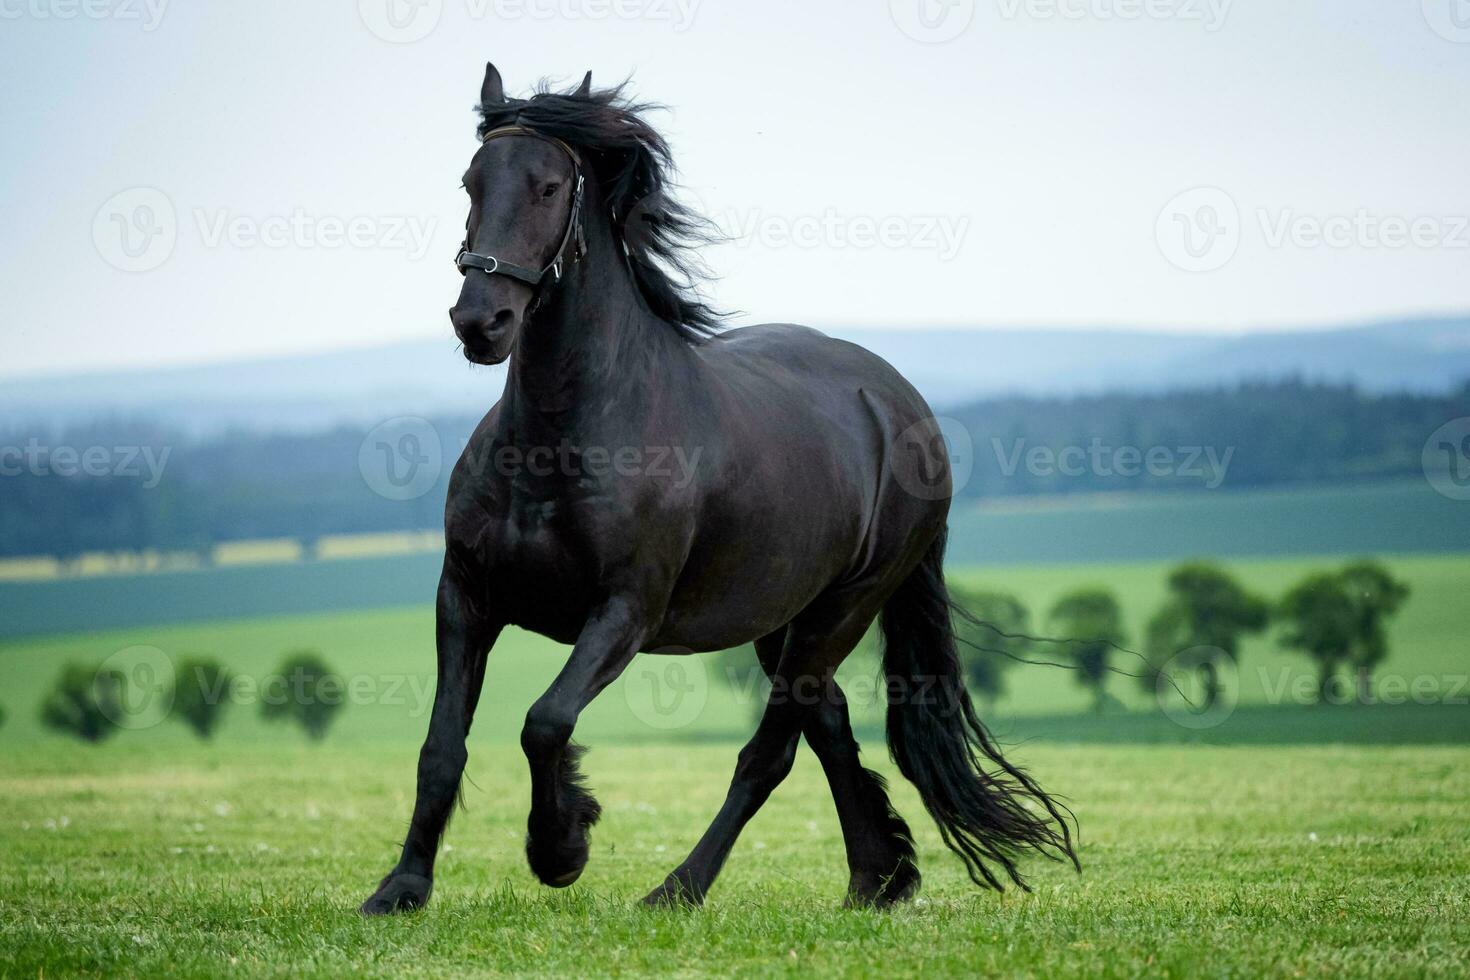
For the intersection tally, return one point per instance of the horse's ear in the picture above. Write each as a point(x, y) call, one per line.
point(492, 92)
point(586, 87)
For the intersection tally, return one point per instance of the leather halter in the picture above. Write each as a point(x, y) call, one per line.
point(492, 266)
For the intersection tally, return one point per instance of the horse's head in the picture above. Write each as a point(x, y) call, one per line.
point(525, 198)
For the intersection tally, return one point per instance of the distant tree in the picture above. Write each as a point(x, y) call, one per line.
point(85, 702)
point(1164, 636)
point(990, 647)
point(2, 716)
point(1206, 608)
point(201, 689)
point(305, 691)
point(1376, 596)
point(1091, 622)
point(1320, 619)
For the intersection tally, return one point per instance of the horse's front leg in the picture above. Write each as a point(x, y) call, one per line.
point(562, 809)
point(464, 638)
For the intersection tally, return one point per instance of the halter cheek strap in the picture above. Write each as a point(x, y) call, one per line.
point(572, 236)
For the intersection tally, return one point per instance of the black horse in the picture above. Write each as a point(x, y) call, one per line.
point(819, 504)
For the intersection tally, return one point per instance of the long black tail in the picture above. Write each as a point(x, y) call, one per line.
point(988, 810)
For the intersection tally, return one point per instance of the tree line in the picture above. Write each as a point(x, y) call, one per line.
point(243, 485)
point(93, 703)
point(1337, 618)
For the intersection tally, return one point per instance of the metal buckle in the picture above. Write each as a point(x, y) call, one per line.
point(464, 250)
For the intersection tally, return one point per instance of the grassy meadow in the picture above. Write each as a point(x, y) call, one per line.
point(1293, 839)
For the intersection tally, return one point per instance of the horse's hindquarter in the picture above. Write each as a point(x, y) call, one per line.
point(797, 495)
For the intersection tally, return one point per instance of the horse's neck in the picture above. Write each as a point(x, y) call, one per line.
point(591, 342)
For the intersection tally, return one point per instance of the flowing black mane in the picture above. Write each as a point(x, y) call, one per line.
point(633, 163)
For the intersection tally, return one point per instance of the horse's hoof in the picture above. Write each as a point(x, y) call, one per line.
point(399, 893)
point(882, 892)
point(558, 864)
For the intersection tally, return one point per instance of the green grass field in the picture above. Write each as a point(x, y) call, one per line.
point(1283, 841)
point(242, 859)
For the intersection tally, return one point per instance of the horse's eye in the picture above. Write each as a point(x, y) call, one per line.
point(551, 189)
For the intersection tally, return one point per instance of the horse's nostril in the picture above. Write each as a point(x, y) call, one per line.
point(503, 319)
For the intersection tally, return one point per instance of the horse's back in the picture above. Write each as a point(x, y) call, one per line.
point(810, 365)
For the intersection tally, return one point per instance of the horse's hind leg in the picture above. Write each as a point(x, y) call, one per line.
point(880, 849)
point(815, 645)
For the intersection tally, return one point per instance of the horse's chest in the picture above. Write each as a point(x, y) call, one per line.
point(536, 566)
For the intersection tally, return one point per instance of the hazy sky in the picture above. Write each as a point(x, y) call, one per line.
point(185, 181)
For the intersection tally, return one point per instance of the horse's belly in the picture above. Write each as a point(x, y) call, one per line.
point(745, 586)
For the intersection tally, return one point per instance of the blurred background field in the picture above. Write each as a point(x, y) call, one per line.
point(390, 645)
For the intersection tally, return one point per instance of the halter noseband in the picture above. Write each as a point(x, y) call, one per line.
point(492, 266)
